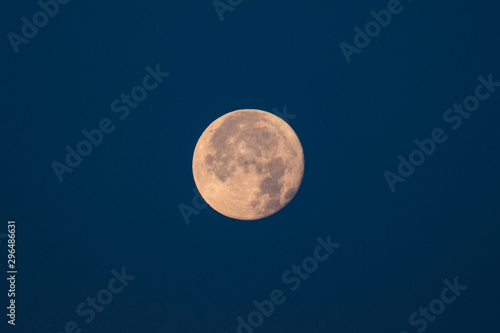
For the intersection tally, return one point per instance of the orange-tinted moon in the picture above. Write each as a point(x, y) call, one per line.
point(248, 164)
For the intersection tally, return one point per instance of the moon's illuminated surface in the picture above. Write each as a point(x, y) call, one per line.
point(248, 164)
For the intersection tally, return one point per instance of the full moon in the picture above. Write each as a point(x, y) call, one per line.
point(248, 164)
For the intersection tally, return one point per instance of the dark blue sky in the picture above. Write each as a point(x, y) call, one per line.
point(116, 213)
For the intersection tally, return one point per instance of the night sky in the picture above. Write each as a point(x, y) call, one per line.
point(395, 227)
